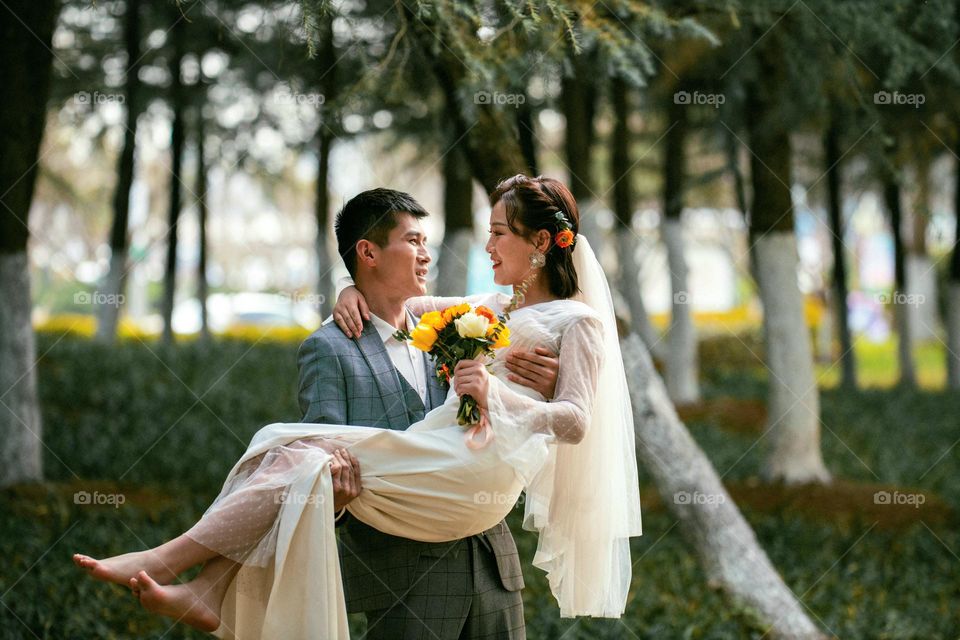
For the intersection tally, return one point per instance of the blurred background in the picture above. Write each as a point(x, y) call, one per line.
point(772, 188)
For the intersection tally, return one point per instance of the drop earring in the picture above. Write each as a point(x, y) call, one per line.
point(537, 259)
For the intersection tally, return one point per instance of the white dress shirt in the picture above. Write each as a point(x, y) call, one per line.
point(408, 360)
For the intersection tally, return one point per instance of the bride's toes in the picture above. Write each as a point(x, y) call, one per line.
point(120, 569)
point(105, 570)
point(84, 562)
point(178, 602)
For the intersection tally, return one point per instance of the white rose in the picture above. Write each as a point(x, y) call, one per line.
point(470, 325)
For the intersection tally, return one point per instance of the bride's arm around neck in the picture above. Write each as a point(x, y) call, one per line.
point(419, 305)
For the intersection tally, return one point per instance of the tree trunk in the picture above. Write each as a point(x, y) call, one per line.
point(726, 546)
point(793, 401)
point(832, 156)
point(493, 148)
point(733, 560)
point(327, 82)
point(901, 314)
point(732, 148)
point(622, 180)
point(201, 187)
point(109, 314)
point(176, 153)
point(921, 274)
point(681, 370)
point(26, 45)
point(528, 137)
point(458, 224)
point(733, 164)
point(953, 288)
point(578, 96)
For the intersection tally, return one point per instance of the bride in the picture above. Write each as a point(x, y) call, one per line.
point(267, 543)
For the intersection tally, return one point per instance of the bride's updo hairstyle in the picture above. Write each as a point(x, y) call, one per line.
point(532, 204)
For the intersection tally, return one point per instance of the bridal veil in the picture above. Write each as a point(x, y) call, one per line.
point(585, 501)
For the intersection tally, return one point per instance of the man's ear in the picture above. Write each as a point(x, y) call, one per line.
point(366, 253)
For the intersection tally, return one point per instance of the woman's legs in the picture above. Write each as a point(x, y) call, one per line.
point(235, 526)
point(163, 563)
point(196, 603)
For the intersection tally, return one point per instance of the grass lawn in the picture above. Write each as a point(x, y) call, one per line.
point(162, 427)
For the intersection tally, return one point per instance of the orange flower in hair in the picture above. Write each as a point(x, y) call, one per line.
point(565, 238)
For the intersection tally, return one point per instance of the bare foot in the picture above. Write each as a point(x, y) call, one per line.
point(120, 569)
point(191, 604)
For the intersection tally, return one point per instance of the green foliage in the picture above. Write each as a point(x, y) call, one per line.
point(104, 408)
point(142, 412)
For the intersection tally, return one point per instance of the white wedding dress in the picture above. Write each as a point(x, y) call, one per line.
point(274, 514)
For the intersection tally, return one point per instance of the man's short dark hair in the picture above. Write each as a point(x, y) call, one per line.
point(371, 215)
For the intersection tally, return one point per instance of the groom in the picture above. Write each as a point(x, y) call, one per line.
point(467, 588)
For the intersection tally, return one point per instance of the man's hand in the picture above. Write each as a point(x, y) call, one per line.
point(535, 369)
point(345, 470)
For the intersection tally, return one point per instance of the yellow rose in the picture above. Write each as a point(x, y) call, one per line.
point(456, 310)
point(470, 325)
point(423, 336)
point(503, 337)
point(434, 319)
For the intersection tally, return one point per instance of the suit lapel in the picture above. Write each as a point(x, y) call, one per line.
point(436, 392)
point(385, 376)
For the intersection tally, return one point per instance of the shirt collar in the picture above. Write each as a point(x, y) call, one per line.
point(385, 329)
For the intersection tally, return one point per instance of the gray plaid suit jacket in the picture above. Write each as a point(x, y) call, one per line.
point(353, 381)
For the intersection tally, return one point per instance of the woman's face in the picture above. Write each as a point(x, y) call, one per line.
point(509, 252)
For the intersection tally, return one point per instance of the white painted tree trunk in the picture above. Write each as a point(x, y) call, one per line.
point(682, 370)
point(21, 457)
point(793, 401)
point(953, 335)
point(922, 297)
point(902, 319)
point(733, 560)
point(453, 262)
point(630, 287)
point(108, 315)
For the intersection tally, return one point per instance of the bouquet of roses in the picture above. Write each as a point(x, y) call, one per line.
point(460, 332)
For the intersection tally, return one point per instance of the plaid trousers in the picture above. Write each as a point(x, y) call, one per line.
point(456, 596)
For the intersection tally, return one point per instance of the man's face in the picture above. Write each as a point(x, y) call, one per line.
point(402, 263)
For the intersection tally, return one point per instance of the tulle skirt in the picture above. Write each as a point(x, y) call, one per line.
point(274, 514)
